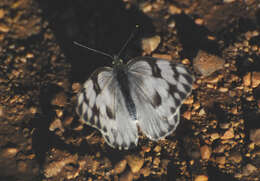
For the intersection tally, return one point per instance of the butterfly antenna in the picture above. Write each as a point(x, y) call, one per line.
point(128, 40)
point(94, 50)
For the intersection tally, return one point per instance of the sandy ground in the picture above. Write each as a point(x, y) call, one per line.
point(41, 71)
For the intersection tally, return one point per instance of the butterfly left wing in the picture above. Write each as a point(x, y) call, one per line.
point(158, 88)
point(101, 105)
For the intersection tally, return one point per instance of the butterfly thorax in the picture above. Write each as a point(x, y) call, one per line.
point(121, 74)
point(117, 61)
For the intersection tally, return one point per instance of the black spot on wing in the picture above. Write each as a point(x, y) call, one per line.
point(85, 116)
point(188, 78)
point(79, 109)
point(156, 71)
point(98, 123)
point(110, 114)
point(177, 101)
point(186, 87)
point(172, 89)
point(182, 95)
point(173, 110)
point(96, 86)
point(85, 96)
point(104, 129)
point(157, 100)
point(176, 73)
point(132, 145)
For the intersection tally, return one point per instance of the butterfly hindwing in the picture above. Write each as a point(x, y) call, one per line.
point(158, 88)
point(101, 105)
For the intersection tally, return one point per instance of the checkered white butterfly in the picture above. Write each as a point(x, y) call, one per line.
point(146, 93)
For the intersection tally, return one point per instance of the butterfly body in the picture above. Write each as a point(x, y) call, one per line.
point(146, 93)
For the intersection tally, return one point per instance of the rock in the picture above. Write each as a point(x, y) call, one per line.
point(205, 152)
point(128, 176)
point(255, 136)
point(228, 1)
point(120, 166)
point(157, 149)
point(162, 56)
point(205, 63)
point(9, 152)
point(221, 160)
point(174, 9)
point(1, 111)
point(2, 13)
point(214, 136)
point(55, 167)
point(22, 166)
point(255, 79)
point(151, 43)
point(229, 134)
point(135, 162)
point(4, 28)
point(201, 178)
point(145, 171)
point(247, 79)
point(60, 99)
point(248, 169)
point(156, 161)
point(56, 124)
point(236, 157)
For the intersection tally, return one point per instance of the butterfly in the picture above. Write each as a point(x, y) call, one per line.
point(146, 92)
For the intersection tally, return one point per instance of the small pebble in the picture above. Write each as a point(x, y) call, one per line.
point(201, 178)
point(2, 13)
point(135, 162)
point(128, 176)
point(199, 21)
point(1, 111)
point(255, 79)
point(4, 28)
point(247, 79)
point(205, 63)
point(145, 171)
point(9, 152)
point(156, 161)
point(174, 9)
point(162, 56)
point(59, 99)
point(229, 134)
point(151, 43)
point(221, 160)
point(255, 136)
point(229, 1)
point(55, 167)
point(236, 157)
point(187, 115)
point(249, 169)
point(56, 124)
point(205, 152)
point(214, 136)
point(223, 89)
point(120, 166)
point(157, 149)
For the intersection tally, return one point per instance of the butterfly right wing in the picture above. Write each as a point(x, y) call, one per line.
point(101, 105)
point(158, 88)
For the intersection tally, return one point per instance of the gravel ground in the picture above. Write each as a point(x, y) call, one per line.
point(41, 71)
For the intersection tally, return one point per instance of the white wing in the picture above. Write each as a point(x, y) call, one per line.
point(101, 105)
point(158, 88)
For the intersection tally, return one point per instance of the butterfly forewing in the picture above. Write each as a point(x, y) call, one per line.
point(146, 91)
point(158, 88)
point(101, 105)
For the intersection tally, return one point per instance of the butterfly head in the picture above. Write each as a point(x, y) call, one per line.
point(117, 61)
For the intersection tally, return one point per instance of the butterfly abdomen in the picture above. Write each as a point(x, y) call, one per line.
point(123, 82)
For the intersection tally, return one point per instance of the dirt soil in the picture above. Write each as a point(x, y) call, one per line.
point(41, 71)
